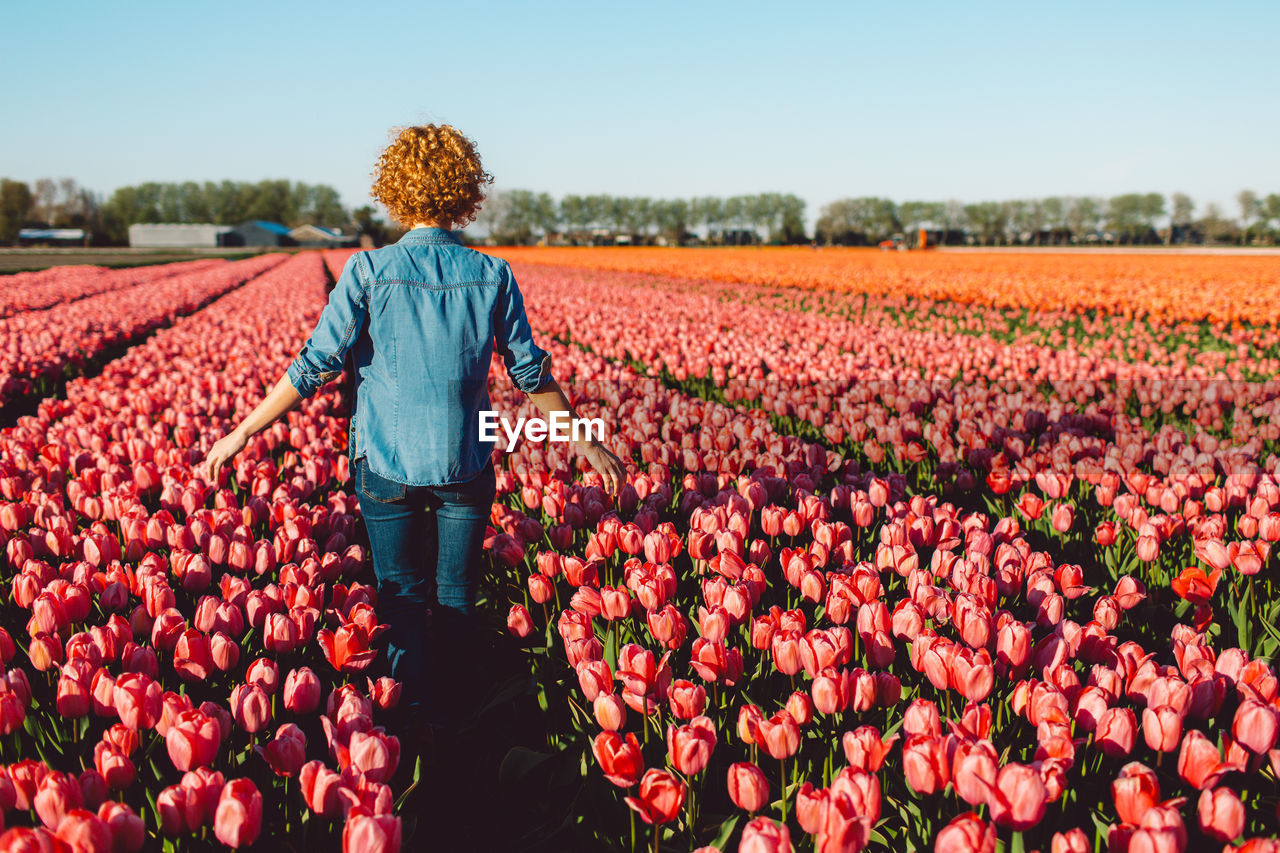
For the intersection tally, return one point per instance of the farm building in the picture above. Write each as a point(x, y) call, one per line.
point(316, 236)
point(175, 234)
point(259, 232)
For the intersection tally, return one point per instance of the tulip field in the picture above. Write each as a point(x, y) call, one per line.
point(918, 551)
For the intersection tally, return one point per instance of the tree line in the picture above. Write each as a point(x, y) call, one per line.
point(522, 216)
point(1131, 218)
point(63, 203)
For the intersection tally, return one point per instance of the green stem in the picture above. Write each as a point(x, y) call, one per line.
point(782, 780)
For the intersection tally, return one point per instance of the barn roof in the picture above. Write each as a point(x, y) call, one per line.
point(273, 227)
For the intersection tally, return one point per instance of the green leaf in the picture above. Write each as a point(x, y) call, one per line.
point(726, 830)
point(515, 686)
point(519, 762)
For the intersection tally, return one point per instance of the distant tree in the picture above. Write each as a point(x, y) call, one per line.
point(988, 218)
point(857, 221)
point(323, 206)
point(1150, 211)
point(710, 212)
point(791, 219)
point(1036, 218)
point(44, 201)
point(15, 206)
point(672, 217)
point(599, 209)
point(618, 213)
point(1271, 211)
point(1181, 213)
point(1016, 222)
point(1054, 212)
point(1248, 201)
point(367, 222)
point(546, 215)
point(1125, 215)
point(573, 213)
point(953, 217)
point(1216, 227)
point(913, 214)
point(515, 217)
point(640, 215)
point(735, 211)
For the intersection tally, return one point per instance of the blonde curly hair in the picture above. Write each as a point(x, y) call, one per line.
point(430, 173)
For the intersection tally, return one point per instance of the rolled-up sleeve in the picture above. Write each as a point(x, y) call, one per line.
point(528, 365)
point(321, 357)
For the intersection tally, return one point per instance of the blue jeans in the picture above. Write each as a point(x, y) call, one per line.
point(427, 543)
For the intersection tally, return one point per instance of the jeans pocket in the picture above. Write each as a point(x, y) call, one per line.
point(379, 488)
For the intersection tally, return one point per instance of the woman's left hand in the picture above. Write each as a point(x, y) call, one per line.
point(221, 454)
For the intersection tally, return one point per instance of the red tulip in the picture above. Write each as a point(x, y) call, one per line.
point(1221, 814)
point(610, 711)
point(301, 691)
point(192, 740)
point(239, 816)
point(203, 787)
point(780, 735)
point(1255, 726)
point(192, 657)
point(84, 832)
point(116, 767)
point(57, 794)
point(1194, 585)
point(320, 788)
point(347, 649)
point(865, 750)
point(375, 754)
point(1135, 791)
point(265, 674)
point(924, 763)
point(660, 797)
point(762, 835)
point(287, 751)
point(748, 787)
point(619, 757)
point(519, 622)
point(1019, 797)
point(251, 707)
point(687, 699)
point(689, 747)
point(974, 771)
point(128, 833)
point(967, 833)
point(1199, 761)
point(370, 833)
point(1116, 731)
point(1162, 728)
point(1073, 840)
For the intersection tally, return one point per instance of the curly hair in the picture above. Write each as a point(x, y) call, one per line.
point(430, 173)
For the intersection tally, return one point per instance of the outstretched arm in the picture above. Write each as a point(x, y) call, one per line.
point(283, 398)
point(550, 399)
point(319, 361)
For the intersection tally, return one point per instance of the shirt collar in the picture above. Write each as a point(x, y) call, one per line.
point(428, 235)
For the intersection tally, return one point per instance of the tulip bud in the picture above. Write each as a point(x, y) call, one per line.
point(238, 819)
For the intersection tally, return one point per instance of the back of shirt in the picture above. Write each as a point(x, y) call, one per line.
point(422, 318)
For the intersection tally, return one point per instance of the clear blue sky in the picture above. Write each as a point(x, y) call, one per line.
point(967, 100)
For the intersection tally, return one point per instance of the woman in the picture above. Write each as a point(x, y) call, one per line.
point(421, 318)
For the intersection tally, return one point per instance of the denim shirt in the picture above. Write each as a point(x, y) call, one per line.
point(422, 317)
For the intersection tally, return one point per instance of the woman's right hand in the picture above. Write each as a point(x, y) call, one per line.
point(607, 465)
point(221, 454)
